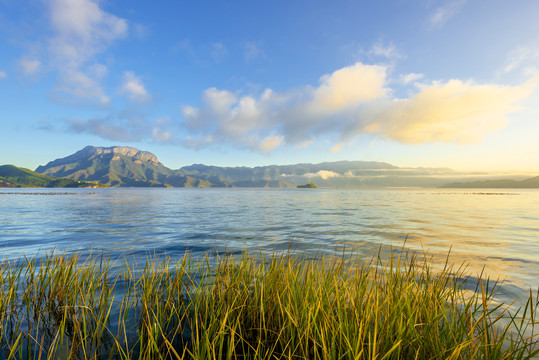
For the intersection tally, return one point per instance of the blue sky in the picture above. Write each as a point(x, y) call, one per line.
point(415, 83)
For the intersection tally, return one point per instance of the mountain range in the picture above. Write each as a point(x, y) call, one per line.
point(500, 184)
point(127, 166)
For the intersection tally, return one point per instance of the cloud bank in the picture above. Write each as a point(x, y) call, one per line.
point(81, 31)
point(126, 126)
point(351, 101)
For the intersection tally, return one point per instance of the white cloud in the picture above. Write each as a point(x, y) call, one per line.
point(351, 101)
point(204, 54)
point(3, 75)
point(388, 51)
point(82, 85)
point(82, 30)
point(224, 113)
point(29, 66)
point(522, 58)
point(124, 126)
point(442, 14)
point(133, 87)
point(106, 128)
point(162, 136)
point(218, 52)
point(198, 143)
point(410, 78)
point(252, 52)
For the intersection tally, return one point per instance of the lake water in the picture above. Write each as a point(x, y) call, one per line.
point(494, 230)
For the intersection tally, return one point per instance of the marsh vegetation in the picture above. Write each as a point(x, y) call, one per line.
point(254, 307)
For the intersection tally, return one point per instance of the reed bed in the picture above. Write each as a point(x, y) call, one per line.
point(254, 307)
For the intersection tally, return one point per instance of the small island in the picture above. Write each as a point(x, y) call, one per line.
point(310, 185)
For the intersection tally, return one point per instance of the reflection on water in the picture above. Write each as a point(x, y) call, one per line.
point(494, 231)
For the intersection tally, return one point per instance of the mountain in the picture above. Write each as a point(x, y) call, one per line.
point(117, 166)
point(503, 183)
point(12, 176)
point(126, 166)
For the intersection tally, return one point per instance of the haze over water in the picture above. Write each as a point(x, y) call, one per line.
point(494, 230)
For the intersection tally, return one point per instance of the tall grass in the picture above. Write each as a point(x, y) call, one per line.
point(279, 307)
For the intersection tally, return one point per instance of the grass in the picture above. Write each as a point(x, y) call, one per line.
point(279, 307)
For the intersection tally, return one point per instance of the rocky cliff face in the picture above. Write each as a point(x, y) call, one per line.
point(136, 155)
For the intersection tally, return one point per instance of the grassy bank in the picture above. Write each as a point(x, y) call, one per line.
point(251, 308)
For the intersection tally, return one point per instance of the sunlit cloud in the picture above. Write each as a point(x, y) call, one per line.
point(133, 87)
point(350, 86)
point(351, 101)
point(29, 66)
point(336, 148)
point(304, 144)
point(270, 142)
point(242, 119)
point(323, 174)
point(455, 111)
point(296, 115)
point(3, 75)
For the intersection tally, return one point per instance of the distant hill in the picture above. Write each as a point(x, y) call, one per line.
point(127, 166)
point(12, 176)
point(503, 184)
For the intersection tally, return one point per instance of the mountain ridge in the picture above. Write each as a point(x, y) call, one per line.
point(127, 166)
point(530, 183)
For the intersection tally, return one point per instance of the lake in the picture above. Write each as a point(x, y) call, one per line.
point(492, 230)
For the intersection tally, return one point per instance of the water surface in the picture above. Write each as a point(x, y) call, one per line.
point(492, 230)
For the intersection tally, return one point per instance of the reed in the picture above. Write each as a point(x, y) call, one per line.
point(255, 307)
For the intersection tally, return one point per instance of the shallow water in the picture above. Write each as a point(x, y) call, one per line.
point(492, 230)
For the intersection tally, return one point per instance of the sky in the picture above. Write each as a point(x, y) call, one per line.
point(423, 83)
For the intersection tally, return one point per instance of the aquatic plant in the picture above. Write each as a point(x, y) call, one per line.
point(255, 307)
